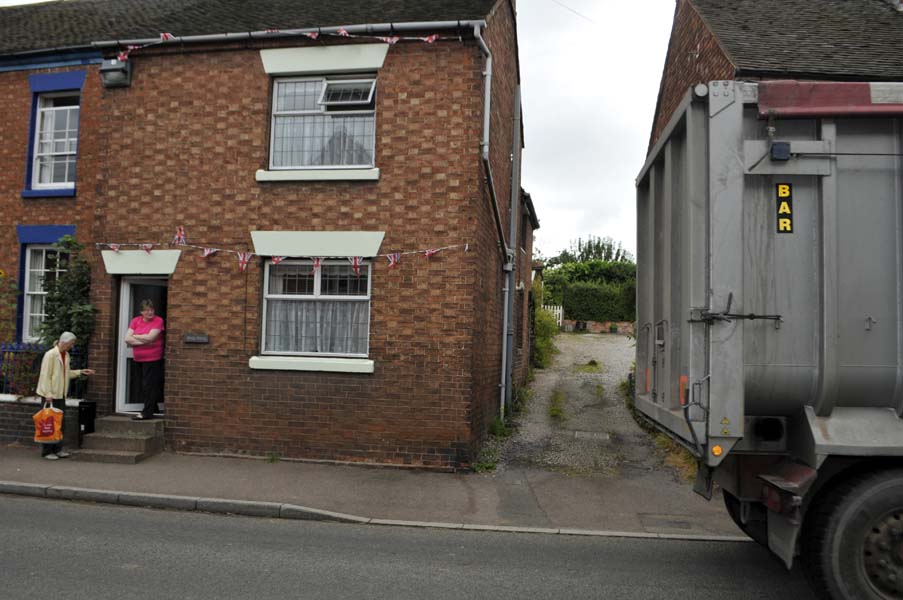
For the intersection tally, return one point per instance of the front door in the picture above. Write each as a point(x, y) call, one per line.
point(128, 374)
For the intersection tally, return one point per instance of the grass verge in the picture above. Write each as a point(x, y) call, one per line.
point(556, 406)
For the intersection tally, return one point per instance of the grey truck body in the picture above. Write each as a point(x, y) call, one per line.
point(773, 350)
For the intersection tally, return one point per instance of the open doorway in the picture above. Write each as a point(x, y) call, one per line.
point(128, 375)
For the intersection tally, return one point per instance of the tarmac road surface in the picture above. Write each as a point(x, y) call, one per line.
point(56, 549)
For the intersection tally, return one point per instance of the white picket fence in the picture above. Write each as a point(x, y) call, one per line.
point(558, 311)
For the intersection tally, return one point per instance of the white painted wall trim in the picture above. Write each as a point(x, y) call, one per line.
point(317, 243)
point(346, 58)
point(139, 262)
point(311, 363)
point(318, 175)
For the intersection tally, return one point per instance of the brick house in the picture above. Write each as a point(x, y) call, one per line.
point(752, 40)
point(317, 138)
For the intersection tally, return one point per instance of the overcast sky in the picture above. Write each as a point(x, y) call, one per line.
point(589, 87)
point(590, 71)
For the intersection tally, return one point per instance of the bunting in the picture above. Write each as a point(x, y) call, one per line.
point(243, 259)
point(123, 55)
point(355, 264)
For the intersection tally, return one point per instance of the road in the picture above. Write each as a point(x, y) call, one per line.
point(52, 549)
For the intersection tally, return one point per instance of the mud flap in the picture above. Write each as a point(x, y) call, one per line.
point(703, 484)
point(782, 535)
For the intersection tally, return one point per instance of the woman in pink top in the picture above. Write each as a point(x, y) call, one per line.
point(145, 336)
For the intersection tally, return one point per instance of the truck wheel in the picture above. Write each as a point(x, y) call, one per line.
point(756, 528)
point(853, 539)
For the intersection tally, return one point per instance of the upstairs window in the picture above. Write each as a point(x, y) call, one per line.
point(43, 264)
point(56, 141)
point(323, 122)
point(319, 312)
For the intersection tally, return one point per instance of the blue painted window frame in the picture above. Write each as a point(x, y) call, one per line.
point(44, 83)
point(30, 235)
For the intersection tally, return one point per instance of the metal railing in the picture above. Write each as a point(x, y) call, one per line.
point(20, 367)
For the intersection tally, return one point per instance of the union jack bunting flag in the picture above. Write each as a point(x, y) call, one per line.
point(243, 259)
point(431, 252)
point(430, 38)
point(312, 35)
point(278, 259)
point(355, 264)
point(114, 247)
point(166, 37)
point(394, 258)
point(179, 238)
point(316, 266)
point(343, 33)
point(147, 247)
point(390, 40)
point(123, 56)
point(209, 252)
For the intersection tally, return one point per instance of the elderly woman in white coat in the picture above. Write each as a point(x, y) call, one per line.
point(53, 384)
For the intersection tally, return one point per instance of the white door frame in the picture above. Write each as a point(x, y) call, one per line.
point(124, 351)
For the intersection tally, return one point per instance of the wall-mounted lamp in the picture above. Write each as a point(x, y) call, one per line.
point(116, 73)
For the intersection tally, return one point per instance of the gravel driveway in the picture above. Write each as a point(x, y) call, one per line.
point(597, 437)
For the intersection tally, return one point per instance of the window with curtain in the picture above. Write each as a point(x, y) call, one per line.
point(43, 264)
point(323, 123)
point(321, 312)
point(56, 141)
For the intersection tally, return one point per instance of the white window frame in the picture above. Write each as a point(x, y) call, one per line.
point(28, 296)
point(40, 112)
point(323, 102)
point(316, 296)
point(322, 110)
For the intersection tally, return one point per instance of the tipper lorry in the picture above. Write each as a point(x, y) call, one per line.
point(770, 321)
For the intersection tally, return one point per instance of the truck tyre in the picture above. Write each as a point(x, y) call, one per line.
point(755, 528)
point(853, 539)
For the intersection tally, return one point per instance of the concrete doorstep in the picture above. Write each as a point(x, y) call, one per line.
point(278, 510)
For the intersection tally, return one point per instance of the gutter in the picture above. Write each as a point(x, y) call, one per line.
point(256, 35)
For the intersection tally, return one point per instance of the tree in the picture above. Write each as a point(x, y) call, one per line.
point(594, 248)
point(67, 305)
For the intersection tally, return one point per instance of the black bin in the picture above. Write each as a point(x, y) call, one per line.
point(87, 412)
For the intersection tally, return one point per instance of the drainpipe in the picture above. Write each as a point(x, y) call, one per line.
point(508, 267)
point(512, 252)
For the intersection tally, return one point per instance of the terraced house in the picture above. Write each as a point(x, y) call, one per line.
point(322, 199)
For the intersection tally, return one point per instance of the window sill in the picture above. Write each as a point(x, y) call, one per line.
point(49, 193)
point(311, 363)
point(318, 175)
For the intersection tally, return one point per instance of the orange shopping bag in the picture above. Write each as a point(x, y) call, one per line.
point(48, 424)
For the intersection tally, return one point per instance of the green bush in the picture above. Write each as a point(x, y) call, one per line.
point(598, 302)
point(67, 304)
point(545, 328)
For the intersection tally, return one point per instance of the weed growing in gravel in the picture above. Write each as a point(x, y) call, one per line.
point(556, 405)
point(521, 402)
point(676, 456)
point(488, 459)
point(592, 366)
point(600, 391)
point(272, 458)
point(498, 429)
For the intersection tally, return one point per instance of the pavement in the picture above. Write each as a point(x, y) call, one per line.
point(513, 499)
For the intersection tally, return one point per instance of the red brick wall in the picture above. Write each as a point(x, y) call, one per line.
point(181, 147)
point(694, 56)
point(487, 333)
